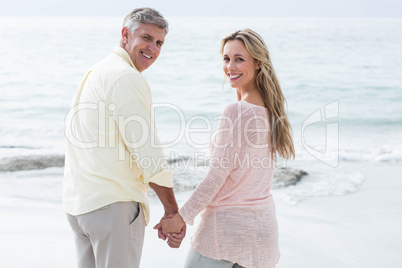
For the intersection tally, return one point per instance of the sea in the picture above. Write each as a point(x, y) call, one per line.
point(341, 77)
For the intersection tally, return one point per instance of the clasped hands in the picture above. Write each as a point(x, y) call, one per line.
point(173, 228)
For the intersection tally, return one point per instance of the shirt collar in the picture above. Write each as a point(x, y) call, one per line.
point(124, 54)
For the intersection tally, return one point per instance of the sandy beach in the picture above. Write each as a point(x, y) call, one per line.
point(361, 229)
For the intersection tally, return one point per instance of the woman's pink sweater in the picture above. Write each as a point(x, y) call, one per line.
point(238, 221)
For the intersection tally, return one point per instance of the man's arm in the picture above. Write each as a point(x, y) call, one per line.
point(133, 115)
point(166, 196)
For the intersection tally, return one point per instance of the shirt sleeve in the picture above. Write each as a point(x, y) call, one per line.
point(226, 143)
point(129, 101)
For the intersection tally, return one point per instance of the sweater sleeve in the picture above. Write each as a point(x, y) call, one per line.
point(131, 97)
point(226, 143)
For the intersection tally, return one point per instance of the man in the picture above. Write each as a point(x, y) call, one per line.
point(111, 157)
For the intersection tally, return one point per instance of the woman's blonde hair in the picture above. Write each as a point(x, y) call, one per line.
point(268, 85)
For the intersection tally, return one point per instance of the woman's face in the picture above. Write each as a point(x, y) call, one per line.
point(238, 64)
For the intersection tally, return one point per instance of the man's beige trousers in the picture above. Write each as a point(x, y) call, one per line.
point(109, 237)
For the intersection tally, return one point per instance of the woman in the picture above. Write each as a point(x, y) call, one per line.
point(238, 226)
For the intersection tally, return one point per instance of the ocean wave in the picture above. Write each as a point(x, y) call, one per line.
point(187, 173)
point(371, 121)
point(379, 154)
point(186, 178)
point(15, 147)
point(33, 162)
point(386, 154)
point(335, 184)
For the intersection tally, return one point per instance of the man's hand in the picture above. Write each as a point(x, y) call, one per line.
point(173, 225)
point(166, 196)
point(165, 217)
point(177, 227)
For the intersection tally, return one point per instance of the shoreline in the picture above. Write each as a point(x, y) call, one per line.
point(359, 229)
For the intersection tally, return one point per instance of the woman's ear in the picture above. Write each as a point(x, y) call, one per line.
point(257, 67)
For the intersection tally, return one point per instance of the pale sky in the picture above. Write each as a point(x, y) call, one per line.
point(229, 8)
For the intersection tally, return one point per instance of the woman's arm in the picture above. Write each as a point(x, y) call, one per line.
point(226, 143)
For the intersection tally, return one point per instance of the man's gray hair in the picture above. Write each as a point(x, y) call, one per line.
point(145, 15)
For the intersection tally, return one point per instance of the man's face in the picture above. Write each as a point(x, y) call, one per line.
point(144, 45)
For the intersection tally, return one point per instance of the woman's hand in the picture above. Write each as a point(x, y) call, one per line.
point(165, 217)
point(173, 225)
point(174, 240)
